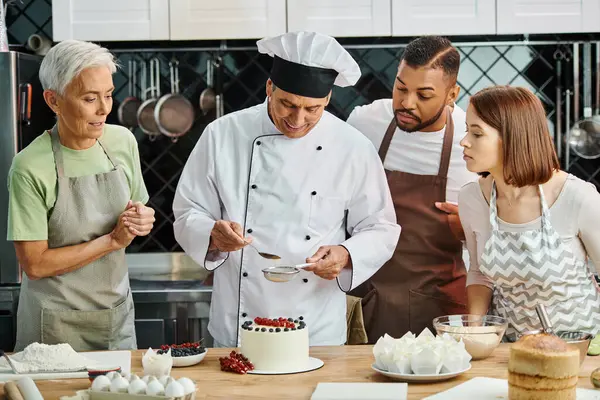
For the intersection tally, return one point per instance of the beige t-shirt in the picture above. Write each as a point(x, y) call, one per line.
point(575, 215)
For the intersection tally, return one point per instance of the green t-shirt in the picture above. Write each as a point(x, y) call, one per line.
point(32, 180)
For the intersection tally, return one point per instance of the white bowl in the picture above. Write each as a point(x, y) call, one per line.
point(189, 360)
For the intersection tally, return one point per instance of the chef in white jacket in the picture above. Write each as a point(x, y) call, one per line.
point(295, 181)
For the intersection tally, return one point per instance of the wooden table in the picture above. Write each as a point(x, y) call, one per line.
point(342, 364)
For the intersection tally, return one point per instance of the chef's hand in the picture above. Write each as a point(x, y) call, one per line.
point(138, 218)
point(453, 219)
point(227, 236)
point(121, 236)
point(329, 261)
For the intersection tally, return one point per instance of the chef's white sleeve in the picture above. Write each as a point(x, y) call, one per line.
point(197, 206)
point(371, 221)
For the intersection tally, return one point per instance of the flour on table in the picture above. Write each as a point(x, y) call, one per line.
point(37, 356)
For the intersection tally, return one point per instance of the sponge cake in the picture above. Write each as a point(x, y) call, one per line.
point(544, 367)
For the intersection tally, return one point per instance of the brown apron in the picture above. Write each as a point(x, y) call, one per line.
point(426, 276)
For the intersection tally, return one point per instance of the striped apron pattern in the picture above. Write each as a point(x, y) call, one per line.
point(534, 267)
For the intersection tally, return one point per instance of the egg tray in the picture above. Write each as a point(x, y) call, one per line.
point(127, 396)
point(90, 395)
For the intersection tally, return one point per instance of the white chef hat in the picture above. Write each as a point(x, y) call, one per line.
point(309, 63)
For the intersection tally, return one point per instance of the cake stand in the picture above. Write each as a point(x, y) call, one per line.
point(313, 364)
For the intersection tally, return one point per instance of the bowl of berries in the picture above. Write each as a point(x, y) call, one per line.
point(185, 354)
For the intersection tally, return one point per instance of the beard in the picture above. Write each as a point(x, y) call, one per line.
point(420, 125)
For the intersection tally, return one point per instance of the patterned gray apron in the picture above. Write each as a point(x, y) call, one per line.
point(90, 308)
point(534, 267)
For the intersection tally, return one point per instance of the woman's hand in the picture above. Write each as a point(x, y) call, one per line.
point(121, 236)
point(138, 218)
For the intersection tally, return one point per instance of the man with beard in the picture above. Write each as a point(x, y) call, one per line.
point(418, 134)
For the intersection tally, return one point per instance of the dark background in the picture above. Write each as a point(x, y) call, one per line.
point(486, 60)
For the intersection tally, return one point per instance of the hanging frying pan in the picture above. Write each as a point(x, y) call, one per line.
point(145, 113)
point(174, 113)
point(207, 99)
point(127, 111)
point(219, 100)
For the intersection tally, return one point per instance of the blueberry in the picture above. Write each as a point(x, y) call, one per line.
point(263, 329)
point(286, 329)
point(270, 329)
point(257, 329)
point(291, 319)
point(277, 329)
point(301, 318)
point(293, 329)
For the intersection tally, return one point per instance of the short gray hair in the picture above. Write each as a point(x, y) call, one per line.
point(67, 59)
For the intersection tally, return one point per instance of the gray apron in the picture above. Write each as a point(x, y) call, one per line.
point(90, 308)
point(537, 267)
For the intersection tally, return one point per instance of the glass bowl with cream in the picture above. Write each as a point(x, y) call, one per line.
point(481, 334)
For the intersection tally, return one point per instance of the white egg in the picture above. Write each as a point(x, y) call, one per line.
point(112, 375)
point(146, 378)
point(155, 389)
point(133, 377)
point(119, 385)
point(137, 386)
point(165, 380)
point(188, 385)
point(101, 384)
point(174, 389)
point(126, 375)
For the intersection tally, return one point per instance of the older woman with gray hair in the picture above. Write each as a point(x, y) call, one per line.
point(76, 202)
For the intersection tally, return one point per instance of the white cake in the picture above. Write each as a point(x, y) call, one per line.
point(275, 345)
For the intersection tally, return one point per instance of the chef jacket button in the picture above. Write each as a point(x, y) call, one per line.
point(258, 143)
point(249, 231)
point(305, 280)
point(244, 315)
point(319, 148)
point(245, 274)
point(253, 186)
point(307, 237)
point(314, 193)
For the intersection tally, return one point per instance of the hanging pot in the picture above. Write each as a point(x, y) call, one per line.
point(174, 114)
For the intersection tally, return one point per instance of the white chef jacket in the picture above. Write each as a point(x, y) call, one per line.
point(292, 196)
